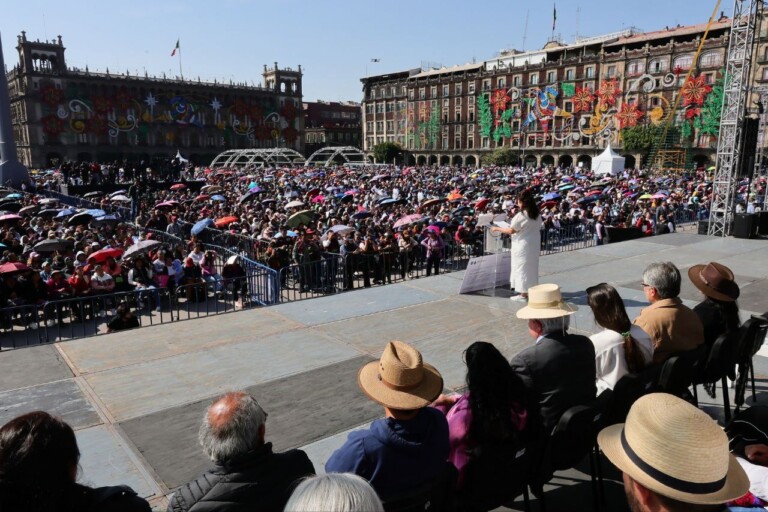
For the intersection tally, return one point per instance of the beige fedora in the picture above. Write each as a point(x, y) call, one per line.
point(400, 379)
point(676, 450)
point(546, 301)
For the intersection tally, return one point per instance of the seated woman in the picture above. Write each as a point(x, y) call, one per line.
point(210, 274)
point(718, 312)
point(38, 471)
point(748, 436)
point(622, 347)
point(492, 411)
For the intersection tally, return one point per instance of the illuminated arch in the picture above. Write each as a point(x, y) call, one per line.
point(271, 157)
point(327, 156)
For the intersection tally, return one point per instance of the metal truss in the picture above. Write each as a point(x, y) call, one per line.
point(272, 157)
point(326, 156)
point(735, 91)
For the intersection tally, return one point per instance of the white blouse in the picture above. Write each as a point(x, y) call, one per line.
point(610, 361)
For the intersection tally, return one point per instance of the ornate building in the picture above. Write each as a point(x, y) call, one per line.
point(562, 104)
point(331, 123)
point(61, 112)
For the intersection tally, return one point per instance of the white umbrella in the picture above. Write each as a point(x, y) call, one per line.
point(294, 204)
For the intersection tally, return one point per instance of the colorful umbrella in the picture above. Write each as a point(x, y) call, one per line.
point(552, 196)
point(120, 198)
point(407, 220)
point(102, 255)
point(10, 217)
point(225, 221)
point(646, 196)
point(178, 186)
point(201, 225)
point(298, 218)
point(481, 203)
point(202, 197)
point(12, 267)
point(319, 198)
point(218, 197)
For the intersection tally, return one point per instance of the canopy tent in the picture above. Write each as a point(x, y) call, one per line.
point(180, 158)
point(608, 162)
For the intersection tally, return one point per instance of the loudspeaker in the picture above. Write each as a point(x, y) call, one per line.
point(762, 223)
point(703, 227)
point(748, 146)
point(745, 225)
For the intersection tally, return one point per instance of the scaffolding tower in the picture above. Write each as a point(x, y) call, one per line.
point(735, 92)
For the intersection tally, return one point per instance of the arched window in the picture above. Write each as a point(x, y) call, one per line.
point(658, 66)
point(683, 62)
point(635, 68)
point(711, 59)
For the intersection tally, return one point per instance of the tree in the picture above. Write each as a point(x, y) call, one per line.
point(640, 139)
point(386, 152)
point(501, 156)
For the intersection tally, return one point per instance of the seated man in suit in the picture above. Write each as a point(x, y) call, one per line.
point(672, 326)
point(559, 369)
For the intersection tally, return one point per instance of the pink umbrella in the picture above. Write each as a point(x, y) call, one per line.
point(658, 196)
point(318, 199)
point(178, 186)
point(408, 219)
point(436, 229)
point(10, 216)
point(594, 192)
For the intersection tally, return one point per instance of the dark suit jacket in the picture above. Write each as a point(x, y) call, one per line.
point(559, 372)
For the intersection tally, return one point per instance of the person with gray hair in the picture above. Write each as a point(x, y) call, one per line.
point(559, 369)
point(247, 475)
point(334, 492)
point(672, 326)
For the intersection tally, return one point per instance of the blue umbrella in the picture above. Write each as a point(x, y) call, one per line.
point(362, 215)
point(551, 196)
point(218, 197)
point(566, 187)
point(106, 219)
point(13, 196)
point(289, 233)
point(95, 212)
point(66, 213)
point(201, 225)
point(588, 199)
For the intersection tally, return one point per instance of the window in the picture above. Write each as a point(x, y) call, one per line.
point(501, 83)
point(657, 66)
point(445, 142)
point(551, 76)
point(410, 94)
point(611, 71)
point(589, 72)
point(458, 89)
point(533, 78)
point(568, 106)
point(635, 68)
point(471, 128)
point(683, 62)
point(433, 91)
point(379, 126)
point(380, 108)
point(470, 142)
point(445, 90)
point(471, 87)
point(570, 74)
point(471, 100)
point(487, 84)
point(422, 93)
point(458, 117)
point(516, 80)
point(457, 102)
point(590, 85)
point(390, 126)
point(765, 73)
point(457, 143)
point(715, 58)
point(709, 78)
point(369, 126)
point(446, 103)
point(486, 142)
point(369, 108)
point(392, 92)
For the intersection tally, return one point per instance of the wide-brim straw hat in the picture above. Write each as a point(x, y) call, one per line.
point(400, 379)
point(715, 281)
point(675, 449)
point(546, 301)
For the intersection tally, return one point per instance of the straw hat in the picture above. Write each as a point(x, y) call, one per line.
point(715, 281)
point(400, 379)
point(674, 449)
point(546, 301)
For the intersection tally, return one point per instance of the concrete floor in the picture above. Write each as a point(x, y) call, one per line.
point(136, 398)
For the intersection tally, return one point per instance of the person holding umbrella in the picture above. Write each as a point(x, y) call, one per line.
point(102, 284)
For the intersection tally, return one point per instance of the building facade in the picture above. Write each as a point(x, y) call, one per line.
point(563, 104)
point(330, 123)
point(65, 113)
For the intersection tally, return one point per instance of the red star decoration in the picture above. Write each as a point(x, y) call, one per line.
point(628, 115)
point(608, 92)
point(582, 99)
point(500, 100)
point(694, 91)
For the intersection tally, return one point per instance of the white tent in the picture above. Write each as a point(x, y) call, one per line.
point(181, 158)
point(608, 163)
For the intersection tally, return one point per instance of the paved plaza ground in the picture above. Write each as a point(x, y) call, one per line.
point(136, 398)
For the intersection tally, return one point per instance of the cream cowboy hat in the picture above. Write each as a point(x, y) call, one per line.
point(675, 449)
point(546, 301)
point(400, 379)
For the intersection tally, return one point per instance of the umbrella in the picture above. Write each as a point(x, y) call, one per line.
point(654, 196)
point(211, 189)
point(10, 217)
point(53, 244)
point(166, 204)
point(302, 217)
point(481, 203)
point(11, 207)
point(408, 219)
point(140, 248)
point(594, 193)
point(294, 204)
point(118, 192)
point(202, 197)
point(460, 210)
point(66, 213)
point(12, 267)
point(51, 212)
point(288, 233)
point(218, 197)
point(345, 198)
point(588, 199)
point(249, 196)
point(13, 196)
point(567, 186)
point(102, 255)
point(429, 203)
point(201, 225)
point(268, 201)
point(341, 229)
point(48, 200)
point(313, 192)
point(552, 196)
point(80, 218)
point(319, 198)
point(28, 209)
point(120, 198)
point(178, 186)
point(96, 212)
point(548, 204)
point(362, 214)
point(646, 196)
point(225, 221)
point(390, 201)
point(455, 196)
point(95, 193)
point(255, 188)
point(434, 228)
point(105, 219)
point(711, 168)
point(351, 192)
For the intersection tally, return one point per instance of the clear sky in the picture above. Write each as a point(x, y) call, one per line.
point(333, 40)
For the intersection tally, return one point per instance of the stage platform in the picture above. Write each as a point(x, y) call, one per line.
point(136, 398)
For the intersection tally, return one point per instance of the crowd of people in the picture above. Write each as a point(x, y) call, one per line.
point(673, 456)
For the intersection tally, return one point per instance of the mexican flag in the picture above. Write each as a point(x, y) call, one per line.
point(175, 48)
point(554, 18)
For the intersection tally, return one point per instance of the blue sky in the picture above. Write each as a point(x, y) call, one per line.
point(333, 40)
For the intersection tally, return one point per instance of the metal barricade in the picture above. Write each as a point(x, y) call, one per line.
point(324, 276)
point(566, 238)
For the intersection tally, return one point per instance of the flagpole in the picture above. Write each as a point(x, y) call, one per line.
point(181, 73)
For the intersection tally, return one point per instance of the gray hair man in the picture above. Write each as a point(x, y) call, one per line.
point(559, 369)
point(247, 475)
point(672, 326)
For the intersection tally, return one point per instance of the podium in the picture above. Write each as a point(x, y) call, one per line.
point(486, 274)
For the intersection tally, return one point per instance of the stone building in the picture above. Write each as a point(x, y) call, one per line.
point(331, 123)
point(66, 113)
point(562, 104)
